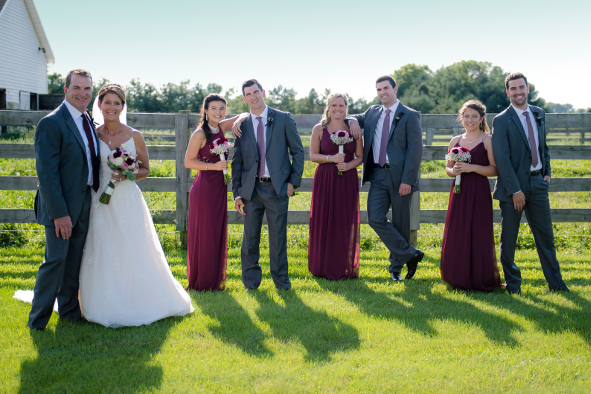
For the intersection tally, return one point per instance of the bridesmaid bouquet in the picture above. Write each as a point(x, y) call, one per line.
point(221, 147)
point(122, 160)
point(458, 154)
point(341, 137)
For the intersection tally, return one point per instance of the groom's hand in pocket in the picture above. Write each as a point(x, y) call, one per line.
point(63, 226)
point(239, 206)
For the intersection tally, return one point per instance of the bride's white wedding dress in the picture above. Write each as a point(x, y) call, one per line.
point(125, 279)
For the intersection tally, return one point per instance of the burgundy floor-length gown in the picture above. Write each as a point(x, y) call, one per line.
point(468, 255)
point(333, 247)
point(207, 242)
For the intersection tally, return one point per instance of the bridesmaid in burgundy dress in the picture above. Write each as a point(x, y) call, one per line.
point(468, 255)
point(207, 242)
point(333, 247)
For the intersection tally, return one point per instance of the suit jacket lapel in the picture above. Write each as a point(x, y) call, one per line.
point(249, 132)
point(399, 111)
point(72, 126)
point(269, 129)
point(517, 121)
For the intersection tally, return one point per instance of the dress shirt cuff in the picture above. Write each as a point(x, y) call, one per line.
point(236, 198)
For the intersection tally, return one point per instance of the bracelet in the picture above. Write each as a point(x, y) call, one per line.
point(206, 169)
point(327, 158)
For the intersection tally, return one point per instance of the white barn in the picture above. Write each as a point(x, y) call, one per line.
point(24, 55)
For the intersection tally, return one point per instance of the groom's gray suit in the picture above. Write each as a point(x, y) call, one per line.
point(63, 173)
point(282, 140)
point(513, 157)
point(404, 149)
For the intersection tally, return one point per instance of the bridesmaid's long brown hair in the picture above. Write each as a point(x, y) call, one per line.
point(203, 125)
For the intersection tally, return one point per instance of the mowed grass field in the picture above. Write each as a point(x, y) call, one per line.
point(364, 335)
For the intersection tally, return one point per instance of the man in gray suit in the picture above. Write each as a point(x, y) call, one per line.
point(392, 151)
point(66, 152)
point(523, 162)
point(263, 179)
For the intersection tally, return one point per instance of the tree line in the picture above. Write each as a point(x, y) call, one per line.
point(430, 92)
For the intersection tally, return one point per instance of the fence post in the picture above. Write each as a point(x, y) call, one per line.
point(582, 136)
point(429, 139)
point(183, 175)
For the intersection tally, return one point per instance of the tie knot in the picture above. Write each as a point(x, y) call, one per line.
point(526, 114)
point(388, 111)
point(259, 118)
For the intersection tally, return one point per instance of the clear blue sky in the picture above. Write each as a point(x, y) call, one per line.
point(303, 44)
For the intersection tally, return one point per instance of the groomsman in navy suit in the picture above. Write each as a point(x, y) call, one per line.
point(392, 150)
point(523, 162)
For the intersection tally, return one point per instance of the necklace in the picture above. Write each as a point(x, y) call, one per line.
point(467, 140)
point(109, 133)
point(212, 127)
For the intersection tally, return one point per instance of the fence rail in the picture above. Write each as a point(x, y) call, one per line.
point(184, 122)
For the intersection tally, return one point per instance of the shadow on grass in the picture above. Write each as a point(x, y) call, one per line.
point(320, 334)
point(417, 306)
point(86, 357)
point(235, 325)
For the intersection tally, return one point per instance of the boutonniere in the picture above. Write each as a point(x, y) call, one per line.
point(269, 120)
point(539, 119)
point(91, 118)
point(397, 118)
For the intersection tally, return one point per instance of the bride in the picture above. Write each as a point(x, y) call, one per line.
point(125, 279)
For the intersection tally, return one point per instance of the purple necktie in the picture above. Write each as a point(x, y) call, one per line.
point(532, 140)
point(384, 141)
point(261, 146)
point(93, 157)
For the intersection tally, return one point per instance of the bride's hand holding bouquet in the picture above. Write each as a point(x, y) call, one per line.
point(125, 165)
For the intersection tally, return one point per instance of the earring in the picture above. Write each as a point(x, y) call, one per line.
point(205, 116)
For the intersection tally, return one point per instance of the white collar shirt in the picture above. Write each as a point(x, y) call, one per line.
point(255, 124)
point(377, 139)
point(534, 125)
point(77, 116)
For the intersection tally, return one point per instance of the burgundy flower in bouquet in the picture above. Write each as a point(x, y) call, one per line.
point(122, 160)
point(341, 138)
point(458, 154)
point(220, 147)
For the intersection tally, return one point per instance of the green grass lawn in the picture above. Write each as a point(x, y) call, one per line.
point(365, 335)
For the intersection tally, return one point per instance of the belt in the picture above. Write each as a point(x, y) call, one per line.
point(534, 173)
point(263, 179)
point(386, 166)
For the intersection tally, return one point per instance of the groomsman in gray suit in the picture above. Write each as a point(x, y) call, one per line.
point(263, 179)
point(392, 150)
point(66, 152)
point(523, 162)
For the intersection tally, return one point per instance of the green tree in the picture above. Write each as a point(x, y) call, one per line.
point(55, 83)
point(282, 98)
point(142, 97)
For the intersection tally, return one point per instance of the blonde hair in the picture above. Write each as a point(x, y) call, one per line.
point(476, 105)
point(111, 88)
point(325, 120)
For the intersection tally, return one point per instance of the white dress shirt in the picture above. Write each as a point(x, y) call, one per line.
point(77, 116)
point(377, 139)
point(255, 125)
point(534, 124)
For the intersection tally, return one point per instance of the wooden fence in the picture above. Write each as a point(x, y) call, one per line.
point(184, 122)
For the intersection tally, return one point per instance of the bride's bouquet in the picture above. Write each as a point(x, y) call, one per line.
point(458, 154)
point(341, 138)
point(220, 147)
point(122, 160)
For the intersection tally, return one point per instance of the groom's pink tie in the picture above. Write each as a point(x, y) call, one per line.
point(384, 141)
point(261, 146)
point(532, 140)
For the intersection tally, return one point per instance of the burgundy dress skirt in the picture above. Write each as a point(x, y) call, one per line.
point(333, 246)
point(207, 242)
point(468, 255)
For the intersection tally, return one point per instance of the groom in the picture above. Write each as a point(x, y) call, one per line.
point(66, 152)
point(523, 162)
point(263, 179)
point(392, 151)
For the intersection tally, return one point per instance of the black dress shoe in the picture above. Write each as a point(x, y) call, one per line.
point(396, 277)
point(411, 265)
point(37, 329)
